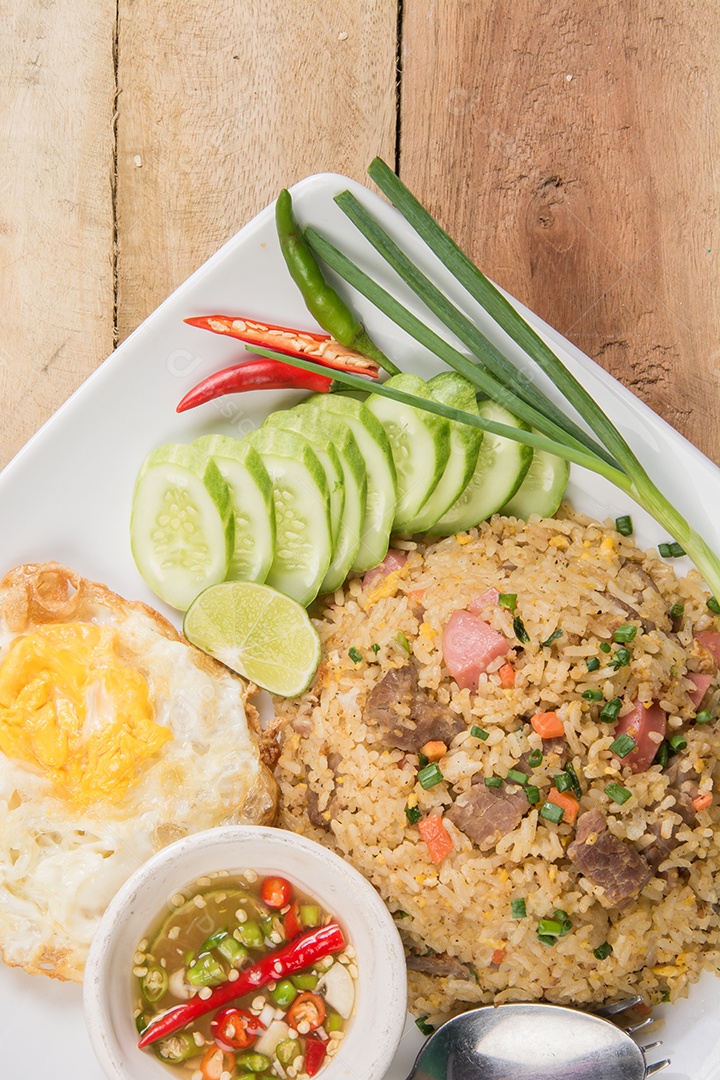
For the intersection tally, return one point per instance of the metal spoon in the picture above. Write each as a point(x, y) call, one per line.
point(535, 1042)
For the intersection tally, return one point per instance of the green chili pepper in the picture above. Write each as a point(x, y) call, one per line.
point(214, 940)
point(176, 1048)
point(305, 981)
point(206, 971)
point(154, 984)
point(253, 1062)
point(251, 935)
point(233, 951)
point(288, 1050)
point(284, 993)
point(334, 1022)
point(322, 301)
point(309, 915)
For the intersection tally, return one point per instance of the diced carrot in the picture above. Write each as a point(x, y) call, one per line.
point(548, 725)
point(416, 596)
point(703, 801)
point(436, 837)
point(507, 676)
point(434, 750)
point(567, 802)
point(498, 956)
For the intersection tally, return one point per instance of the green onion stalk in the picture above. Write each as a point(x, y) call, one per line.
point(605, 452)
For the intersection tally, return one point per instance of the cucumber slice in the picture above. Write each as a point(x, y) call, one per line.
point(451, 389)
point(338, 436)
point(542, 489)
point(381, 479)
point(420, 444)
point(500, 470)
point(303, 540)
point(251, 495)
point(182, 529)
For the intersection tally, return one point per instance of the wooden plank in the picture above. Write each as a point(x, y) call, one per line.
point(571, 149)
point(56, 219)
point(221, 106)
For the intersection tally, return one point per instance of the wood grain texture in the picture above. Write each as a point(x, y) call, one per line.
point(570, 148)
point(222, 105)
point(56, 221)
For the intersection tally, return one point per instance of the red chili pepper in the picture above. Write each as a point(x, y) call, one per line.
point(315, 1050)
point(291, 958)
point(276, 892)
point(291, 922)
point(235, 1029)
point(259, 374)
point(322, 348)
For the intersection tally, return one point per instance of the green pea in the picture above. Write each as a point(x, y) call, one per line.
point(252, 1062)
point(288, 1050)
point(284, 993)
point(251, 935)
point(305, 981)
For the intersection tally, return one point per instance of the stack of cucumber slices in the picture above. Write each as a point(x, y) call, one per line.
point(315, 493)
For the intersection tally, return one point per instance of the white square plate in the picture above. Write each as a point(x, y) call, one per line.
point(67, 497)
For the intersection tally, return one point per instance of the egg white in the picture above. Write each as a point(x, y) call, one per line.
point(61, 865)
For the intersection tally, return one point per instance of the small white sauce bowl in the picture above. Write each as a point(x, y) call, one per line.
point(374, 1030)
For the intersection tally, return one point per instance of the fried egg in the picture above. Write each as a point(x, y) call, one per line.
point(116, 737)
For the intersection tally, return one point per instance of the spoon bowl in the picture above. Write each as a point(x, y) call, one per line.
point(531, 1042)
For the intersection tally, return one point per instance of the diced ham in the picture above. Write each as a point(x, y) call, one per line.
point(394, 560)
point(469, 644)
point(701, 682)
point(640, 724)
point(487, 599)
point(710, 640)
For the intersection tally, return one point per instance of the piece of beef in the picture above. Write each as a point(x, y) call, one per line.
point(439, 964)
point(486, 814)
point(607, 861)
point(406, 714)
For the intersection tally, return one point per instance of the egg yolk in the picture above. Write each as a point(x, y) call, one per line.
point(70, 707)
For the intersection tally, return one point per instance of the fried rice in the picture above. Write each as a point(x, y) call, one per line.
point(472, 924)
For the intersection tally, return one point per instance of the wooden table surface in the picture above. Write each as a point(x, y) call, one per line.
point(570, 147)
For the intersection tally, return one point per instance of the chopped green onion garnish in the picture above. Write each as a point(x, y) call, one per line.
point(508, 600)
point(403, 642)
point(661, 758)
point(535, 758)
point(564, 920)
point(479, 733)
point(604, 646)
point(677, 743)
point(562, 781)
point(618, 793)
point(518, 909)
point(549, 927)
point(520, 632)
point(423, 1027)
point(665, 996)
point(493, 781)
point(677, 611)
point(375, 648)
point(620, 659)
point(400, 914)
point(625, 633)
point(355, 655)
point(553, 637)
point(713, 605)
point(412, 814)
point(552, 812)
point(603, 951)
point(593, 695)
point(517, 777)
point(703, 717)
point(623, 745)
point(592, 663)
point(422, 760)
point(533, 794)
point(547, 939)
point(611, 710)
point(624, 525)
point(570, 770)
point(671, 551)
point(430, 775)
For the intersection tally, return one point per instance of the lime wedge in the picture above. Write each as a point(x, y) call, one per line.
point(257, 632)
